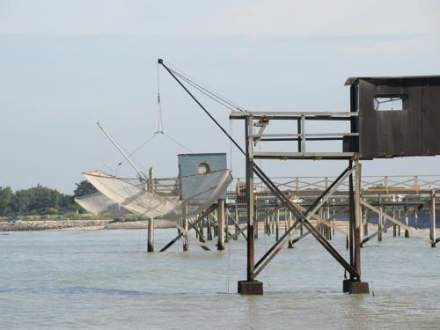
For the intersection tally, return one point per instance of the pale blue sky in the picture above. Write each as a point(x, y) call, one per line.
point(66, 64)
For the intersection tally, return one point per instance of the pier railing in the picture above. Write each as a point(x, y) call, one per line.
point(391, 184)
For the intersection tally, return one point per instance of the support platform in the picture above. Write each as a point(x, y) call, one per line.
point(250, 287)
point(355, 287)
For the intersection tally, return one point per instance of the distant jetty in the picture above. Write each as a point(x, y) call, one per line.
point(35, 225)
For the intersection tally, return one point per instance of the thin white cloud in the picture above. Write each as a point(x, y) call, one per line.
point(220, 18)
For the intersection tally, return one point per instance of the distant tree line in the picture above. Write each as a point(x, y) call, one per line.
point(40, 200)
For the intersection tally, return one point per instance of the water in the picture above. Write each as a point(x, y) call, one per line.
point(105, 280)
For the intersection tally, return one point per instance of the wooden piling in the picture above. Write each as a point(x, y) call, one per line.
point(365, 221)
point(277, 226)
point(185, 242)
point(289, 224)
point(329, 229)
point(226, 238)
point(406, 223)
point(150, 239)
point(150, 243)
point(394, 225)
point(380, 225)
point(432, 228)
point(221, 224)
point(256, 221)
point(237, 220)
point(358, 218)
point(208, 229)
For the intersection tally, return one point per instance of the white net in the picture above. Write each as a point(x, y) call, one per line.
point(98, 204)
point(164, 201)
point(132, 194)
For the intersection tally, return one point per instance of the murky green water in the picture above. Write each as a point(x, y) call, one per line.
point(105, 280)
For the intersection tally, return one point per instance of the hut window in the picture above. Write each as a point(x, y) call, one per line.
point(388, 103)
point(203, 169)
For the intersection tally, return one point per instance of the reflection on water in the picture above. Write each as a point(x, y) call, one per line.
point(104, 279)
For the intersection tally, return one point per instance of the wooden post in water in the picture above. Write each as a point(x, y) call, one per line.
point(237, 220)
point(406, 223)
point(202, 233)
point(208, 228)
point(365, 221)
point(150, 186)
point(277, 226)
point(250, 285)
point(358, 218)
point(380, 225)
point(289, 223)
point(384, 221)
point(334, 220)
point(221, 224)
point(185, 242)
point(394, 225)
point(432, 233)
point(273, 223)
point(256, 220)
point(329, 229)
point(416, 217)
point(226, 224)
point(150, 244)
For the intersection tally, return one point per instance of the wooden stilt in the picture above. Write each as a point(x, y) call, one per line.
point(221, 224)
point(208, 229)
point(185, 243)
point(380, 225)
point(394, 225)
point(150, 187)
point(365, 221)
point(256, 221)
point(406, 223)
point(226, 225)
point(237, 220)
point(416, 218)
point(289, 223)
point(432, 228)
point(150, 244)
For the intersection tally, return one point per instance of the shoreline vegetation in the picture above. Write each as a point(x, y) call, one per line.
point(42, 208)
point(41, 201)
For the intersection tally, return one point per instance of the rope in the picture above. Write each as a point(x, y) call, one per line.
point(159, 122)
point(139, 147)
point(177, 142)
point(216, 97)
point(231, 132)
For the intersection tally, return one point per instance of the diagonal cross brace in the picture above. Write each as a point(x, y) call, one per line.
point(191, 225)
point(302, 217)
point(308, 214)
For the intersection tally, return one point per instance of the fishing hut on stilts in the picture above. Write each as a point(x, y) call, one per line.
point(389, 117)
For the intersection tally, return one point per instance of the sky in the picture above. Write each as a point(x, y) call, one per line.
point(67, 64)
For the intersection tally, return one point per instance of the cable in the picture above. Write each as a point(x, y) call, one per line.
point(178, 143)
point(204, 90)
point(227, 104)
point(159, 122)
point(191, 80)
point(139, 147)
